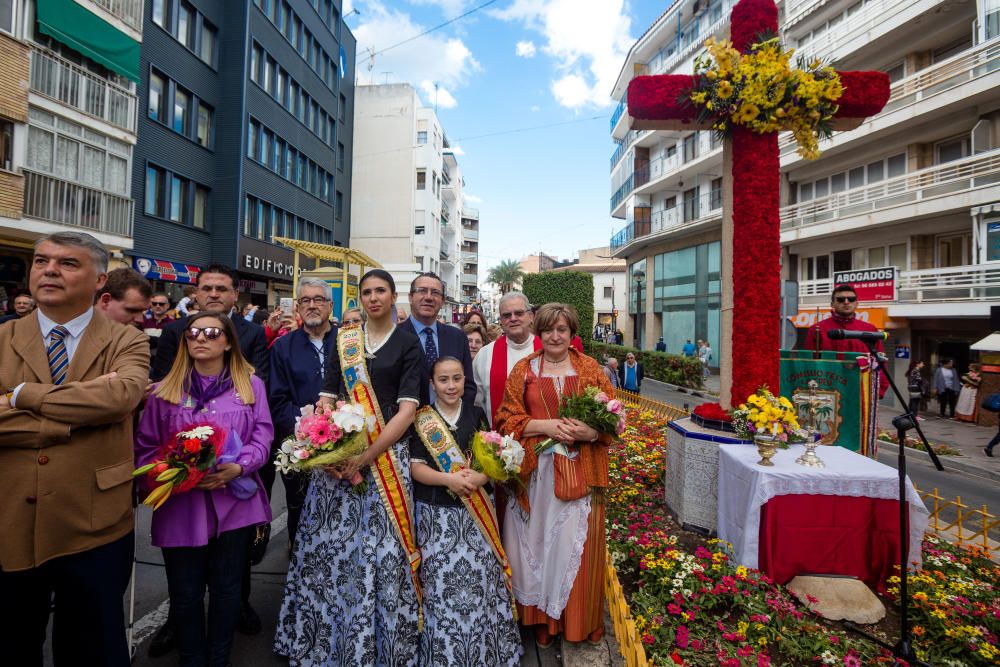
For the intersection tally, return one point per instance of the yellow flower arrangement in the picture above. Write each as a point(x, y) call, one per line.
point(760, 90)
point(767, 414)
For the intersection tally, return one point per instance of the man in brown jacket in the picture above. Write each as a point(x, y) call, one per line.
point(72, 381)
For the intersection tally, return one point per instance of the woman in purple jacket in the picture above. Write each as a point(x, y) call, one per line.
point(204, 533)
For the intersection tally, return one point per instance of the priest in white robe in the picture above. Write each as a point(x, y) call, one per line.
point(494, 362)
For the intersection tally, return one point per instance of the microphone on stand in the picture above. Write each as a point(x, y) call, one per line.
point(845, 334)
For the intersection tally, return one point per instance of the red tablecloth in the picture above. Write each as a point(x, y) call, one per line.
point(818, 534)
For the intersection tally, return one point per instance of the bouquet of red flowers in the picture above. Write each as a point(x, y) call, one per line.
point(185, 459)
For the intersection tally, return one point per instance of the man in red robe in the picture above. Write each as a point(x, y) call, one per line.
point(843, 305)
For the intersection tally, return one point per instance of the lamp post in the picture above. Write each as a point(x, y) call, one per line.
point(639, 275)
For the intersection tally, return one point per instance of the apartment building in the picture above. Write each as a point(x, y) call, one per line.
point(409, 212)
point(912, 194)
point(68, 106)
point(245, 136)
point(610, 289)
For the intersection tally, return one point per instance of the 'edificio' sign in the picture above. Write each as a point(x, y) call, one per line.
point(870, 284)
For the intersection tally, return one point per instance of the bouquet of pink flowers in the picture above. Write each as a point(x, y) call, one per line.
point(594, 408)
point(325, 436)
point(499, 457)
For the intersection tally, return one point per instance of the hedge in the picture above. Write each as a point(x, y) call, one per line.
point(672, 368)
point(573, 287)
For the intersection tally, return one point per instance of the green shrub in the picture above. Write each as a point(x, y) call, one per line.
point(573, 287)
point(672, 368)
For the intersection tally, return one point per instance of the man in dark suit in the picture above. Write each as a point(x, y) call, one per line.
point(298, 369)
point(436, 339)
point(217, 292)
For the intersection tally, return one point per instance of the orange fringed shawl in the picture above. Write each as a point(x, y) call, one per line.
point(513, 417)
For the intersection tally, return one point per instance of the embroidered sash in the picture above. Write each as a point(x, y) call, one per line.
point(498, 372)
point(385, 469)
point(439, 441)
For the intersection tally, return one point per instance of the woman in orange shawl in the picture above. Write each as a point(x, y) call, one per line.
point(554, 532)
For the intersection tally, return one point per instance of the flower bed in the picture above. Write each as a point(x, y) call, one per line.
point(693, 605)
point(940, 449)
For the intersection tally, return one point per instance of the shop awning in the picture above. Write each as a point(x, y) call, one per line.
point(989, 344)
point(84, 31)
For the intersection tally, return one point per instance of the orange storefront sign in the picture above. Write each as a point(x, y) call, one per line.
point(804, 319)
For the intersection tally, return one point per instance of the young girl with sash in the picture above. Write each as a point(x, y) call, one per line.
point(352, 596)
point(468, 606)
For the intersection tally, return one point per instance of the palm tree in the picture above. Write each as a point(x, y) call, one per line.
point(506, 275)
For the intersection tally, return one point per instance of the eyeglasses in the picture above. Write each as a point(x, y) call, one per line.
point(352, 322)
point(846, 299)
point(211, 333)
point(159, 303)
point(308, 301)
point(514, 313)
point(424, 291)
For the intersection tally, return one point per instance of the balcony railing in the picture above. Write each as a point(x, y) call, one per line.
point(797, 9)
point(470, 278)
point(976, 62)
point(129, 11)
point(937, 181)
point(631, 231)
point(56, 200)
point(63, 81)
point(470, 213)
point(702, 207)
point(692, 36)
point(978, 282)
point(470, 234)
point(630, 138)
point(616, 116)
point(470, 256)
point(865, 21)
point(445, 212)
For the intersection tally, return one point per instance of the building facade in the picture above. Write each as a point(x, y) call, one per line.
point(913, 193)
point(610, 289)
point(245, 136)
point(68, 106)
point(409, 212)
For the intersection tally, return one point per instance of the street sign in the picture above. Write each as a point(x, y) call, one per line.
point(870, 284)
point(902, 351)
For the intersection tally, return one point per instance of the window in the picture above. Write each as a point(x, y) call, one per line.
point(204, 131)
point(157, 97)
point(421, 180)
point(268, 79)
point(252, 134)
point(690, 147)
point(185, 25)
point(256, 56)
point(418, 230)
point(341, 151)
point(6, 144)
point(200, 207)
point(181, 102)
point(178, 189)
point(690, 204)
point(669, 203)
point(609, 292)
point(208, 39)
point(155, 184)
point(343, 108)
point(422, 137)
point(896, 72)
point(338, 208)
point(69, 152)
point(951, 149)
point(160, 13)
point(716, 194)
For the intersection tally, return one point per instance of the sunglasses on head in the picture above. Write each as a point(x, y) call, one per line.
point(211, 333)
point(846, 299)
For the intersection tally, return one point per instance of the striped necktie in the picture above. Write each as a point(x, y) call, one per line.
point(58, 355)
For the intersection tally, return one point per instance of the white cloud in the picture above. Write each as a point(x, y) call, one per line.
point(588, 39)
point(458, 150)
point(525, 49)
point(450, 8)
point(439, 96)
point(431, 59)
point(471, 198)
point(535, 109)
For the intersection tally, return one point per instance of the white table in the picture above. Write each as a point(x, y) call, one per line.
point(744, 487)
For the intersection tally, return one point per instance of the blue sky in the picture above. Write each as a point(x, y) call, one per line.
point(517, 64)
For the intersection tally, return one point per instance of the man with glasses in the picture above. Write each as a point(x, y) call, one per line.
point(843, 304)
point(298, 367)
point(495, 361)
point(153, 325)
point(437, 339)
point(216, 291)
point(630, 374)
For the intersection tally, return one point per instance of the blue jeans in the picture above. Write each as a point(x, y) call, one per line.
point(994, 441)
point(219, 566)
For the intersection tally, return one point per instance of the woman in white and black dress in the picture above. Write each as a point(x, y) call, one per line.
point(349, 597)
point(468, 610)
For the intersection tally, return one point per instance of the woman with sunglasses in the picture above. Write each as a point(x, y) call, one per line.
point(351, 595)
point(204, 533)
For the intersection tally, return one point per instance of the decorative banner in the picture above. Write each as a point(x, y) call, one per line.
point(845, 413)
point(161, 269)
point(870, 284)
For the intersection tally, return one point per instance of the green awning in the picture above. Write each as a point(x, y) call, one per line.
point(84, 31)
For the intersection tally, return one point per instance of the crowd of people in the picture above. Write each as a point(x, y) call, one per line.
point(392, 570)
